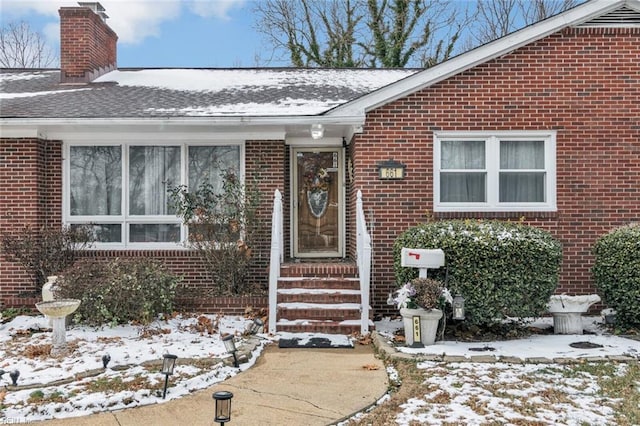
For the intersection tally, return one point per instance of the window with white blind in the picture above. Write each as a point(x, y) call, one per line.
point(510, 171)
point(120, 190)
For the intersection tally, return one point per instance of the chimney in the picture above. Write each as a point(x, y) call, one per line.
point(87, 44)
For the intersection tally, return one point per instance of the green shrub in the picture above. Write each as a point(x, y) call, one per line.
point(617, 274)
point(118, 291)
point(501, 268)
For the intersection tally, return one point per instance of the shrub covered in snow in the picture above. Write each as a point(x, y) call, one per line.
point(617, 273)
point(118, 291)
point(501, 268)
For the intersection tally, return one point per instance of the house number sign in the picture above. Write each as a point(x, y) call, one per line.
point(417, 338)
point(391, 170)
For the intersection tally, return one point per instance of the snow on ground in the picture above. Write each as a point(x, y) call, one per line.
point(477, 393)
point(53, 389)
point(535, 346)
point(474, 393)
point(452, 393)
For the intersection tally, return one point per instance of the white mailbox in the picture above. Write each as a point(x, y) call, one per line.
point(421, 258)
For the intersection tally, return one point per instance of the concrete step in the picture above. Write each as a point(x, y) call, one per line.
point(319, 269)
point(319, 297)
point(319, 311)
point(316, 326)
point(349, 283)
point(314, 295)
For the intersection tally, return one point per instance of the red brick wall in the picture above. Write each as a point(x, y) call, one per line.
point(87, 45)
point(584, 83)
point(31, 194)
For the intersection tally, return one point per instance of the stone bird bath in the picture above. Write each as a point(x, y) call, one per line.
point(57, 310)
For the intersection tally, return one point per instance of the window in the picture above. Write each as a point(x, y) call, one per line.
point(121, 189)
point(494, 172)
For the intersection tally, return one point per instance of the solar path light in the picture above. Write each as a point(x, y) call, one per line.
point(230, 346)
point(223, 407)
point(168, 364)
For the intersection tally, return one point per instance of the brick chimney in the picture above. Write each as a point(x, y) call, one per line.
point(87, 44)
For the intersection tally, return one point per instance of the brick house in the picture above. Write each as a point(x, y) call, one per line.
point(543, 124)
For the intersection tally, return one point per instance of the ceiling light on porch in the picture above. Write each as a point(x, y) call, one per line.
point(317, 131)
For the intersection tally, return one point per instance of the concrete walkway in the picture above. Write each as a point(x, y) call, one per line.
point(284, 387)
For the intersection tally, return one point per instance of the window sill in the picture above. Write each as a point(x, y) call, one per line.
point(496, 215)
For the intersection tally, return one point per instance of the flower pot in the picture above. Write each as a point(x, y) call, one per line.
point(567, 312)
point(429, 320)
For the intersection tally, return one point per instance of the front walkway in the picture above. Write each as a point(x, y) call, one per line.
point(284, 387)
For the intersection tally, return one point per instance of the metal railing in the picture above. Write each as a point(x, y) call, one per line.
point(363, 249)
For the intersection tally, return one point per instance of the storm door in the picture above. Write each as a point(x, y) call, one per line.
point(317, 202)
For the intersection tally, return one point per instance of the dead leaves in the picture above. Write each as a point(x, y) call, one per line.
point(206, 325)
point(147, 332)
point(364, 340)
point(36, 351)
point(371, 367)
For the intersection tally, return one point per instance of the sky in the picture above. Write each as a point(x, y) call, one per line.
point(161, 33)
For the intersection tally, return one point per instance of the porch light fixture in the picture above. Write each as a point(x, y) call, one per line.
point(256, 326)
point(223, 407)
point(14, 377)
point(230, 346)
point(105, 360)
point(458, 307)
point(168, 364)
point(317, 131)
point(391, 170)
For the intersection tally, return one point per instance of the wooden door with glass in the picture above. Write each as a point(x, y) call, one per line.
point(317, 202)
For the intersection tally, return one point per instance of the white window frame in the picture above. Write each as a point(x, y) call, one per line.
point(492, 168)
point(125, 219)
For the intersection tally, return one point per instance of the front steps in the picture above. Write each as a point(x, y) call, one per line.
point(319, 298)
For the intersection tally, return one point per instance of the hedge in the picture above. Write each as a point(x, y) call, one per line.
point(502, 269)
point(616, 272)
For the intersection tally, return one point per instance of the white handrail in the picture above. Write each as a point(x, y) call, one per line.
point(363, 249)
point(277, 257)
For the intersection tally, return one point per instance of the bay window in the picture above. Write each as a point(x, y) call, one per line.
point(120, 190)
point(510, 171)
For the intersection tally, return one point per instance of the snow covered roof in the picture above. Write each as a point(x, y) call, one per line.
point(287, 98)
point(148, 93)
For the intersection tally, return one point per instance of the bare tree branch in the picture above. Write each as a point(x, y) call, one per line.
point(359, 33)
point(497, 18)
point(21, 47)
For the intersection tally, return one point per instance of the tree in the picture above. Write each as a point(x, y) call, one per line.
point(21, 47)
point(360, 33)
point(497, 18)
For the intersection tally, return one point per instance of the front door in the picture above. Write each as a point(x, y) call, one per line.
point(317, 202)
